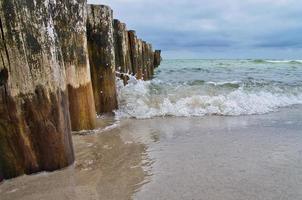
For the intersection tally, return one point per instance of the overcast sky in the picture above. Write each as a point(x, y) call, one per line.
point(215, 28)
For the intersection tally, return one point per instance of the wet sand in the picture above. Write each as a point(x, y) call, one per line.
point(212, 158)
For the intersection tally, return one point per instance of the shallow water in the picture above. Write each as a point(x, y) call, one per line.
point(109, 165)
point(229, 158)
point(212, 157)
point(202, 129)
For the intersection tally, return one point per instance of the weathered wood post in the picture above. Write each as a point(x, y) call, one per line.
point(145, 61)
point(35, 128)
point(157, 58)
point(133, 51)
point(122, 50)
point(139, 74)
point(128, 53)
point(101, 57)
point(151, 61)
point(147, 58)
point(70, 24)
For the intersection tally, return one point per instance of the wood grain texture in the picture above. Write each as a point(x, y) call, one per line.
point(102, 57)
point(35, 132)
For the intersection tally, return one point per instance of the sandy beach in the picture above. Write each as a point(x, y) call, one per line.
point(213, 157)
point(150, 100)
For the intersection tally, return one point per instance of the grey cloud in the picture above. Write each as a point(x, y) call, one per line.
point(211, 28)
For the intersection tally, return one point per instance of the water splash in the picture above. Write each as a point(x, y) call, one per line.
point(242, 91)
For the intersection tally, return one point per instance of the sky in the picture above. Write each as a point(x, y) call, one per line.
point(226, 29)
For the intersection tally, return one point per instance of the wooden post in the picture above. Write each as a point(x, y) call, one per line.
point(72, 35)
point(133, 51)
point(122, 50)
point(148, 61)
point(35, 132)
point(157, 58)
point(128, 53)
point(151, 60)
point(139, 74)
point(102, 57)
point(145, 61)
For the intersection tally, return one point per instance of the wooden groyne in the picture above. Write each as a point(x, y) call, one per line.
point(157, 58)
point(122, 51)
point(142, 57)
point(133, 51)
point(102, 57)
point(59, 61)
point(35, 131)
point(70, 25)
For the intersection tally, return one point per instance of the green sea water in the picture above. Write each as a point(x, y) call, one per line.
point(213, 87)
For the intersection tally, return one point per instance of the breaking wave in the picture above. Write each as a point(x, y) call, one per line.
point(278, 61)
point(147, 99)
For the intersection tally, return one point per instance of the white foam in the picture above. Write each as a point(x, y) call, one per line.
point(283, 61)
point(98, 130)
point(135, 100)
point(223, 82)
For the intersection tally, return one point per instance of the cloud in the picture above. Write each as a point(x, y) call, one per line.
point(211, 28)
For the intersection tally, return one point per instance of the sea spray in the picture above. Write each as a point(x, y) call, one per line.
point(193, 94)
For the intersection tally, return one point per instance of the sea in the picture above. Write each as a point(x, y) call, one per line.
point(200, 129)
point(213, 87)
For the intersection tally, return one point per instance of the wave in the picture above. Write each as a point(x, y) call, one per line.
point(278, 61)
point(230, 84)
point(138, 100)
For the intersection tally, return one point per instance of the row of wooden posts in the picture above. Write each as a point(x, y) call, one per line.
point(59, 61)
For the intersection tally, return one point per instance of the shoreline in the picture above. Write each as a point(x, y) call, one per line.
point(140, 156)
point(58, 72)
